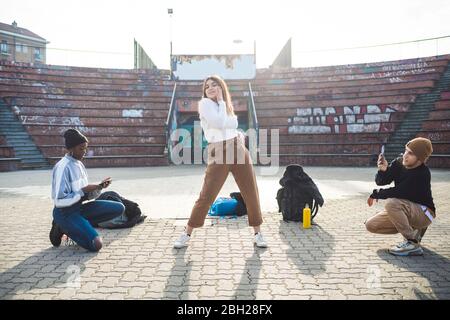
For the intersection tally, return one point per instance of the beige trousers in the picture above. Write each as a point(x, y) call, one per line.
point(399, 216)
point(224, 157)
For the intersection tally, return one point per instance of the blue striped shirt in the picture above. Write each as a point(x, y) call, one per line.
point(68, 178)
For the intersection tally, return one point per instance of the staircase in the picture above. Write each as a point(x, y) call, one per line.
point(17, 137)
point(418, 113)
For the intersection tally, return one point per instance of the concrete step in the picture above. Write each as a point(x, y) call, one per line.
point(429, 96)
point(35, 166)
point(412, 121)
point(20, 134)
point(417, 118)
point(410, 126)
point(402, 139)
point(395, 146)
point(33, 156)
point(20, 143)
point(6, 128)
point(4, 124)
point(421, 109)
point(20, 140)
point(403, 132)
point(401, 136)
point(6, 120)
point(26, 148)
point(427, 99)
point(34, 162)
point(17, 137)
point(28, 155)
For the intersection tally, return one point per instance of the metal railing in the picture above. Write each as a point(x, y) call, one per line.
point(252, 118)
point(169, 123)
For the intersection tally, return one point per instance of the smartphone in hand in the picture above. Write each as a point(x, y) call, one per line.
point(382, 163)
point(106, 182)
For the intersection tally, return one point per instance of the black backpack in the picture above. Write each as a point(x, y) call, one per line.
point(241, 208)
point(132, 211)
point(298, 189)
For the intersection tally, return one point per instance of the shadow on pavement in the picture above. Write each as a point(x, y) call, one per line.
point(63, 268)
point(249, 280)
point(178, 280)
point(308, 249)
point(432, 266)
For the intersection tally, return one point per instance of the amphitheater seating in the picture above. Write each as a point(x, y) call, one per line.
point(8, 162)
point(5, 150)
point(341, 115)
point(335, 115)
point(122, 112)
point(437, 129)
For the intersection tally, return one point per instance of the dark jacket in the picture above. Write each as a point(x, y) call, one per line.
point(410, 184)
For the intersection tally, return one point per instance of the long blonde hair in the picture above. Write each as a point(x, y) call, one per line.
point(225, 91)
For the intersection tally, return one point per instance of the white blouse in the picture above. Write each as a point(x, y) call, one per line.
point(216, 123)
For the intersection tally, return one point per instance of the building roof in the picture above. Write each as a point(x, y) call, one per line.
point(20, 31)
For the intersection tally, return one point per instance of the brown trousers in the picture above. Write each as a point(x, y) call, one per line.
point(223, 157)
point(399, 215)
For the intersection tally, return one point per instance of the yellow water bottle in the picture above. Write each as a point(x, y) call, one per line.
point(306, 217)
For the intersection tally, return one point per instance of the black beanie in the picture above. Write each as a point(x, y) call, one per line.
point(73, 138)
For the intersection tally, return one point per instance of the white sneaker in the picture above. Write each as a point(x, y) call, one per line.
point(182, 241)
point(406, 248)
point(260, 241)
point(402, 244)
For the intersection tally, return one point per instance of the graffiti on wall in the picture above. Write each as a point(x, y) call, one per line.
point(351, 119)
point(132, 113)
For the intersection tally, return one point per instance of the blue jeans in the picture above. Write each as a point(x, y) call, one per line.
point(76, 220)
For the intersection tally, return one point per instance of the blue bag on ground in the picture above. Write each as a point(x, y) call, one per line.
point(223, 207)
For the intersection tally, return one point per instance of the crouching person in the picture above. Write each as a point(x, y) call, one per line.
point(69, 189)
point(409, 209)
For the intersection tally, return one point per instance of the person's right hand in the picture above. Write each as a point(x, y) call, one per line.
point(106, 182)
point(91, 188)
point(382, 163)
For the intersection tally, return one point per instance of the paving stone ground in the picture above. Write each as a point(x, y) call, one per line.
point(336, 259)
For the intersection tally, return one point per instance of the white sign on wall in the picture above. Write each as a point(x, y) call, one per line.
point(198, 67)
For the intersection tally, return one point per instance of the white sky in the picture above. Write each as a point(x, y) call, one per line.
point(205, 26)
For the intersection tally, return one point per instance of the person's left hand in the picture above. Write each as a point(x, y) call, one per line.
point(219, 94)
point(370, 201)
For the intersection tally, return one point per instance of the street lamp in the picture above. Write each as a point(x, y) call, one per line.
point(170, 12)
